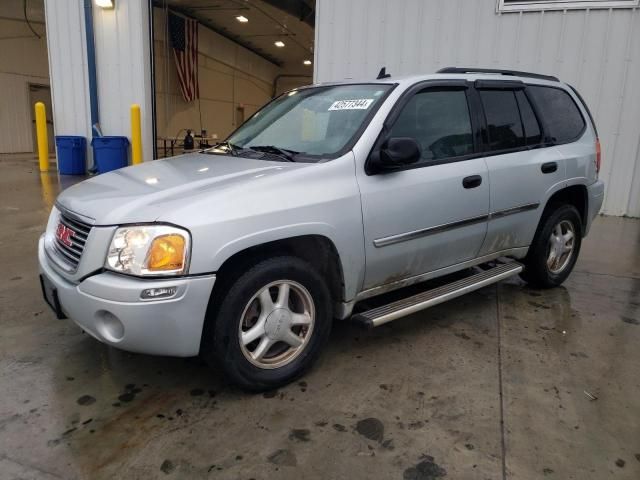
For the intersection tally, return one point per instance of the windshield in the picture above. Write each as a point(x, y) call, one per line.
point(313, 121)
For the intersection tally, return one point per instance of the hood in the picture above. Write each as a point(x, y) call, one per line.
point(143, 193)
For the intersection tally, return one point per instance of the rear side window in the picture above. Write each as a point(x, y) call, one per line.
point(560, 113)
point(503, 119)
point(532, 133)
point(439, 121)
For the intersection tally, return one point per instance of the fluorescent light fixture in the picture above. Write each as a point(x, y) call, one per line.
point(242, 19)
point(307, 62)
point(279, 43)
point(104, 3)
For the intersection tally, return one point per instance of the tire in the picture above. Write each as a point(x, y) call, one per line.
point(541, 269)
point(244, 305)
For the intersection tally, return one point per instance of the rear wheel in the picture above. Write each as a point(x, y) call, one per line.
point(271, 324)
point(555, 247)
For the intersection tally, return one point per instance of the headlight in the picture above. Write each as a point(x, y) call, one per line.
point(149, 250)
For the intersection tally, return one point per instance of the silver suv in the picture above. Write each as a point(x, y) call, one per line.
point(329, 195)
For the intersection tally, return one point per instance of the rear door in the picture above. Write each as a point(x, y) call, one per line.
point(522, 161)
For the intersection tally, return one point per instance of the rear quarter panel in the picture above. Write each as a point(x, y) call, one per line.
point(580, 156)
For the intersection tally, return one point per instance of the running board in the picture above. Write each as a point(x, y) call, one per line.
point(407, 306)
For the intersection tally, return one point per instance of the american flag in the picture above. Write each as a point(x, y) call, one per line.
point(184, 40)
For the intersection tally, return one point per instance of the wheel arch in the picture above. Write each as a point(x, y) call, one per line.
point(316, 249)
point(575, 195)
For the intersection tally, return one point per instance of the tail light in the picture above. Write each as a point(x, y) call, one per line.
point(598, 155)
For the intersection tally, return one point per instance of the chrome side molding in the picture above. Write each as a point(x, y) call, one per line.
point(403, 237)
point(423, 232)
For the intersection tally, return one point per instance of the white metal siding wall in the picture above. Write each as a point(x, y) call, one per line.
point(122, 64)
point(597, 51)
point(123, 67)
point(15, 112)
point(67, 67)
point(23, 60)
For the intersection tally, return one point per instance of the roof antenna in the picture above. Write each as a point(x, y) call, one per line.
point(383, 74)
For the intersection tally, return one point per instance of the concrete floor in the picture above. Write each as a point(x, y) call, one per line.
point(507, 382)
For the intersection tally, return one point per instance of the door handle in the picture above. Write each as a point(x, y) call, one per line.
point(549, 167)
point(472, 182)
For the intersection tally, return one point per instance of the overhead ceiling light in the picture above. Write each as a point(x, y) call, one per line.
point(307, 62)
point(242, 19)
point(104, 3)
point(279, 43)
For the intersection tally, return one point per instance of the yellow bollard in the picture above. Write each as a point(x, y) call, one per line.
point(48, 194)
point(136, 135)
point(41, 135)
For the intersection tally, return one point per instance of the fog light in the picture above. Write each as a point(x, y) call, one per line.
point(154, 293)
point(110, 326)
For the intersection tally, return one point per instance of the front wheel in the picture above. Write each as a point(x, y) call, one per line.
point(555, 247)
point(271, 324)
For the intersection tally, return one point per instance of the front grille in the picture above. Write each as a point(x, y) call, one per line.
point(70, 239)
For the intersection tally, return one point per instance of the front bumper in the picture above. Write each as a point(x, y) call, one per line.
point(595, 194)
point(108, 307)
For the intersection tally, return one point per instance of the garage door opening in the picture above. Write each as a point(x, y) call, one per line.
point(217, 62)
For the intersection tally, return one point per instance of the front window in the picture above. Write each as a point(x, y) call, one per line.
point(318, 121)
point(439, 120)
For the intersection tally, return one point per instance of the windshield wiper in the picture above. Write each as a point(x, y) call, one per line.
point(282, 152)
point(230, 147)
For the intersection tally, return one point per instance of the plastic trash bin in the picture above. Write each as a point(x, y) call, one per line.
point(110, 153)
point(72, 155)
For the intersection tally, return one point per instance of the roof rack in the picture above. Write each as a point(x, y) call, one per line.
point(513, 73)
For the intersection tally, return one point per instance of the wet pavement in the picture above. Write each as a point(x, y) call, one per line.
point(507, 382)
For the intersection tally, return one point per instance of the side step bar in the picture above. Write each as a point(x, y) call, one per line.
point(407, 306)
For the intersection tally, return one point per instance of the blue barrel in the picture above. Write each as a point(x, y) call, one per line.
point(72, 155)
point(110, 153)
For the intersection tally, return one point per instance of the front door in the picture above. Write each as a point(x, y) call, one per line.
point(431, 214)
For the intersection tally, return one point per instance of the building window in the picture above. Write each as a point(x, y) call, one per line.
point(528, 5)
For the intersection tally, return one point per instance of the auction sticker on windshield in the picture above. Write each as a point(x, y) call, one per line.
point(355, 104)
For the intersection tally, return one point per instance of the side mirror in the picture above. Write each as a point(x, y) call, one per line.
point(397, 152)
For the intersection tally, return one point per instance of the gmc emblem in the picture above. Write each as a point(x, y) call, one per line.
point(64, 234)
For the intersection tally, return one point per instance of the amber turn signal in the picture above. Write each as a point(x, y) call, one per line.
point(167, 253)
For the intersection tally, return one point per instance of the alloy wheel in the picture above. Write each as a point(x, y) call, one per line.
point(561, 246)
point(276, 324)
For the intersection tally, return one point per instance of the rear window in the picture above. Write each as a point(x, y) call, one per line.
point(503, 119)
point(559, 112)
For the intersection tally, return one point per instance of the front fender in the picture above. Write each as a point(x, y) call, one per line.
point(320, 199)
